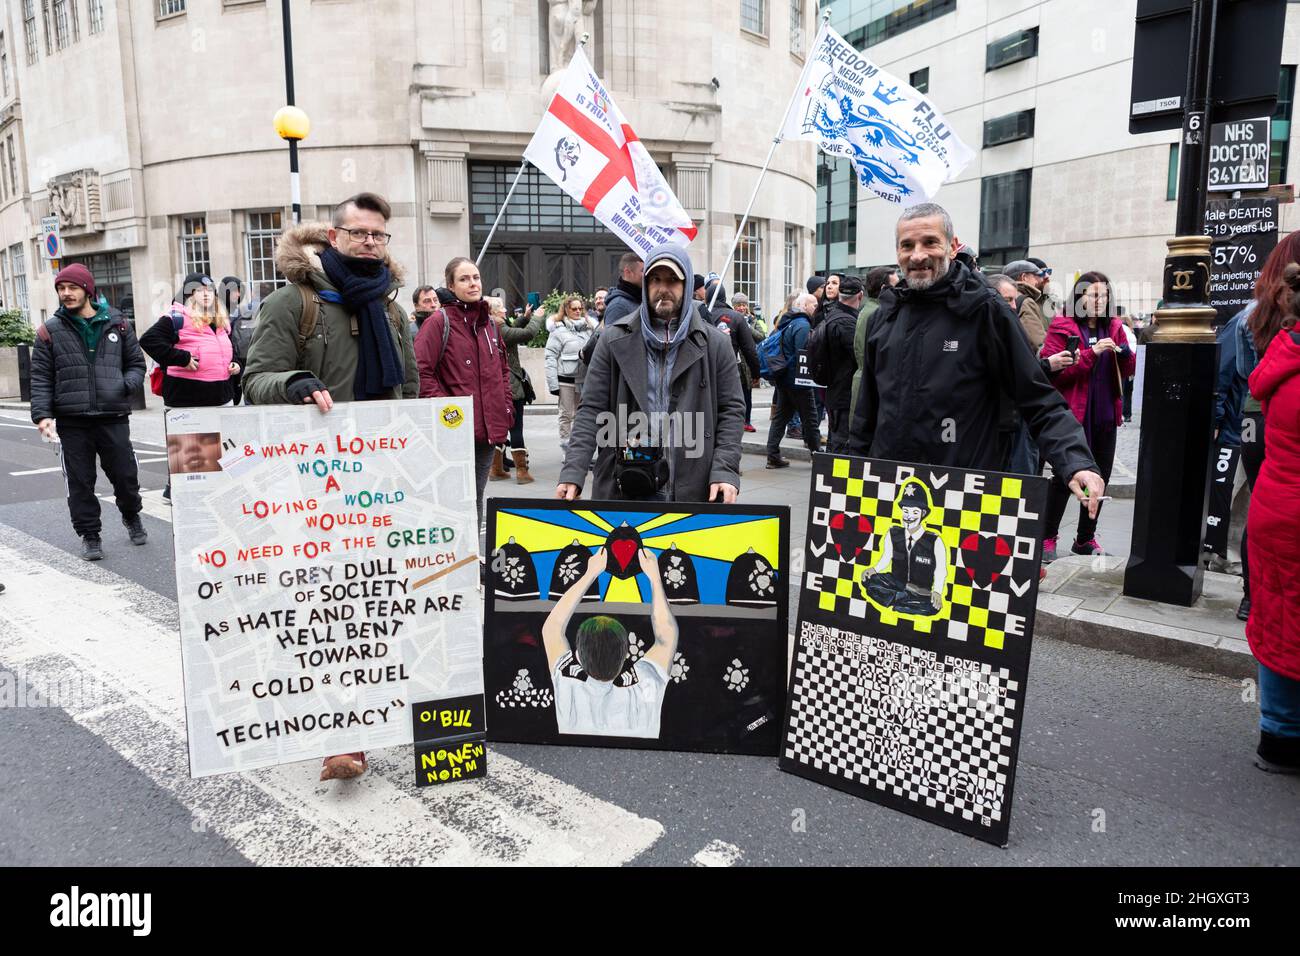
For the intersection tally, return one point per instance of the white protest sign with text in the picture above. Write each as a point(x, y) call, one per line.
point(326, 573)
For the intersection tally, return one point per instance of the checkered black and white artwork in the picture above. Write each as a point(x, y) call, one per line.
point(915, 620)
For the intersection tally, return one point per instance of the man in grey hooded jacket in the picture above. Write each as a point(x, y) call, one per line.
point(663, 381)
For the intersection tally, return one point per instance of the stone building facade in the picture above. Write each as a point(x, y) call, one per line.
point(145, 127)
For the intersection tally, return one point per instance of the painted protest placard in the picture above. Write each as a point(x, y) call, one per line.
point(1244, 232)
point(637, 624)
point(916, 613)
point(326, 573)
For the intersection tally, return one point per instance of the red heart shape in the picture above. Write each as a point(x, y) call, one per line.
point(624, 550)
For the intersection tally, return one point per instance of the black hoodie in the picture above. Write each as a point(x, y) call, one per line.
point(935, 366)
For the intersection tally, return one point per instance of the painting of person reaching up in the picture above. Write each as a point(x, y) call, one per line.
point(593, 693)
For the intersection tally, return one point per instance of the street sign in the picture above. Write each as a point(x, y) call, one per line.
point(51, 242)
point(1247, 57)
point(1239, 155)
point(1244, 233)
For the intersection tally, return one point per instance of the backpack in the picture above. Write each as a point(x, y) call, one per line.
point(159, 373)
point(772, 362)
point(818, 353)
point(311, 301)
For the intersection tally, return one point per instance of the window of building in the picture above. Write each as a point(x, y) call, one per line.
point(538, 205)
point(1004, 217)
point(920, 80)
point(38, 257)
point(1011, 49)
point(14, 185)
point(95, 15)
point(29, 30)
point(6, 290)
point(17, 262)
point(892, 17)
point(748, 268)
point(790, 261)
point(62, 25)
point(1280, 148)
point(45, 22)
point(797, 39)
point(4, 64)
point(753, 16)
point(1171, 180)
point(260, 241)
point(194, 245)
point(1009, 128)
point(170, 8)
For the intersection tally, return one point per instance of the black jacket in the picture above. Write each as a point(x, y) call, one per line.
point(623, 299)
point(160, 341)
point(935, 366)
point(841, 325)
point(731, 322)
point(65, 383)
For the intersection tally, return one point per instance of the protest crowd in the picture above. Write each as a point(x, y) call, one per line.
point(672, 363)
point(929, 360)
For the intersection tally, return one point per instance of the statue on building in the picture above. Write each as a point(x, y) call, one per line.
point(569, 20)
point(65, 200)
point(74, 198)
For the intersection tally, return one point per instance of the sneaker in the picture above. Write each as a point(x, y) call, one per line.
point(92, 549)
point(1091, 546)
point(344, 766)
point(1049, 549)
point(778, 463)
point(750, 428)
point(135, 530)
point(1278, 754)
point(1243, 609)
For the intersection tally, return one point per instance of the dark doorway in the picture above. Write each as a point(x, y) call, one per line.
point(546, 242)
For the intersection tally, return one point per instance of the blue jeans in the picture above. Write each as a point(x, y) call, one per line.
point(1279, 704)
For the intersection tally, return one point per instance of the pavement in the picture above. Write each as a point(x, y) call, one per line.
point(1124, 760)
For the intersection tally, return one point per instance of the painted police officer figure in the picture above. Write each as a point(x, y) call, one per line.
point(912, 572)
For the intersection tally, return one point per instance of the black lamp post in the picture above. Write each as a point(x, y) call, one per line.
point(291, 123)
point(1173, 480)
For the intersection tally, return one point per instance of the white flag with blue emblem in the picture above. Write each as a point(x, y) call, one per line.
point(900, 145)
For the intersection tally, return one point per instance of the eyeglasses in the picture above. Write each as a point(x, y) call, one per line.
point(361, 235)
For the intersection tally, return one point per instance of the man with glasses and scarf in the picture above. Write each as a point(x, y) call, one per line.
point(358, 347)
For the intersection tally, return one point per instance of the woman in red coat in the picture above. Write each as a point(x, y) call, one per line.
point(1094, 389)
point(1273, 531)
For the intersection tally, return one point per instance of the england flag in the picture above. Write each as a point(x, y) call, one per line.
point(900, 145)
point(585, 145)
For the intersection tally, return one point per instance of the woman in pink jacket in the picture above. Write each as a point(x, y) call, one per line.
point(192, 344)
point(1094, 389)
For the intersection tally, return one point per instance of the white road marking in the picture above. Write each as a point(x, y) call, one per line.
point(717, 853)
point(35, 471)
point(63, 623)
point(153, 504)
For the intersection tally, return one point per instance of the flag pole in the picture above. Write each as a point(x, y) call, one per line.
point(500, 212)
point(776, 141)
point(582, 42)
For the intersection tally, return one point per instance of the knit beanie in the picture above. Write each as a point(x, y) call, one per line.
point(78, 275)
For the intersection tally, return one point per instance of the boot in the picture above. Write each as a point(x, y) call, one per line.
point(498, 473)
point(520, 456)
point(1278, 754)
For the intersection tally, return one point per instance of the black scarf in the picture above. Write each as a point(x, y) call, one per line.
point(363, 286)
